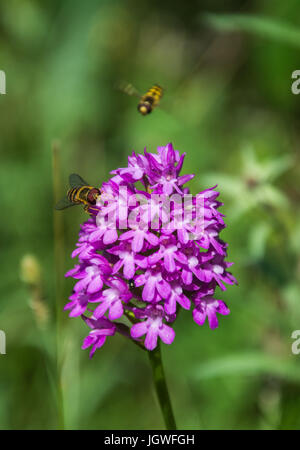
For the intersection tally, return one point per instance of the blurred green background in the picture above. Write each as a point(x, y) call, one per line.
point(226, 68)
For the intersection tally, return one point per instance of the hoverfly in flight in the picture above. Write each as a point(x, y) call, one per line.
point(80, 193)
point(148, 101)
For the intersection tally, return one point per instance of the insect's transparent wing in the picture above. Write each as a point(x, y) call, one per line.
point(128, 89)
point(75, 181)
point(64, 203)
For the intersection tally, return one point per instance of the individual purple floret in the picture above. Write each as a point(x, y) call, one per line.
point(149, 249)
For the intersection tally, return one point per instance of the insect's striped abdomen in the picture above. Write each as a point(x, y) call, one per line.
point(72, 193)
point(150, 100)
point(83, 194)
point(156, 93)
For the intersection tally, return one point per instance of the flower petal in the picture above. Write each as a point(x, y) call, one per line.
point(167, 334)
point(151, 338)
point(95, 285)
point(116, 310)
point(139, 329)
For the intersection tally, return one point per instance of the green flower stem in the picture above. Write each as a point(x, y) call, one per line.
point(161, 387)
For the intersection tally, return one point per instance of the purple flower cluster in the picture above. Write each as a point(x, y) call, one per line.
point(141, 259)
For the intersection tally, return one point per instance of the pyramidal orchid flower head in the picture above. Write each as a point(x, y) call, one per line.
point(149, 249)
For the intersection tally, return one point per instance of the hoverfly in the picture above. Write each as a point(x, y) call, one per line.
point(131, 284)
point(148, 101)
point(80, 193)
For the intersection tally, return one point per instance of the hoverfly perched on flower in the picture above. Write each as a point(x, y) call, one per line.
point(80, 193)
point(131, 284)
point(148, 101)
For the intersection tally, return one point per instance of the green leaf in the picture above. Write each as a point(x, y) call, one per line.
point(254, 363)
point(258, 25)
point(257, 240)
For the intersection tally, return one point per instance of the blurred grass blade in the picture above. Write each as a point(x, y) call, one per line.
point(70, 380)
point(249, 364)
point(258, 237)
point(260, 26)
point(59, 254)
